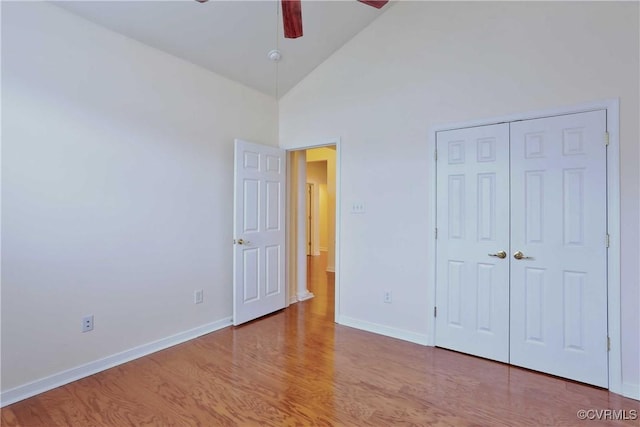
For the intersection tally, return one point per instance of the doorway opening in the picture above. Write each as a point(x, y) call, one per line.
point(312, 200)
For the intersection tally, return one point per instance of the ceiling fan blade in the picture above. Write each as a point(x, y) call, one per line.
point(375, 3)
point(292, 18)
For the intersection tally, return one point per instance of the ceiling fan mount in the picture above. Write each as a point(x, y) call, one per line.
point(292, 15)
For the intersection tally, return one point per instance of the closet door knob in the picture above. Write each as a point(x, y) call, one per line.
point(500, 254)
point(520, 255)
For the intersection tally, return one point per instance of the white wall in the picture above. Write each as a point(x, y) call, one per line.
point(317, 175)
point(428, 63)
point(116, 191)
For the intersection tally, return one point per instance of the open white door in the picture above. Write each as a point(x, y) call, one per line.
point(259, 231)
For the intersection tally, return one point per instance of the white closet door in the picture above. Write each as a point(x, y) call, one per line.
point(472, 287)
point(558, 223)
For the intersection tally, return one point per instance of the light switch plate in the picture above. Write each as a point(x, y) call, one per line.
point(357, 208)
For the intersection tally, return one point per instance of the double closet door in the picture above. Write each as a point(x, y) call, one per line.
point(522, 244)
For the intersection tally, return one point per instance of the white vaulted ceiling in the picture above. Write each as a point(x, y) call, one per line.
point(232, 38)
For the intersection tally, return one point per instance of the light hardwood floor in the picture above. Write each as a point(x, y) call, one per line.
point(297, 367)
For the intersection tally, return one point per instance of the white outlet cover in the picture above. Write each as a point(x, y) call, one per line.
point(198, 296)
point(87, 323)
point(388, 297)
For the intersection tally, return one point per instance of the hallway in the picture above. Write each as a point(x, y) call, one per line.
point(321, 284)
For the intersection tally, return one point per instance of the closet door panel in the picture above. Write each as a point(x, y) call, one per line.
point(472, 290)
point(558, 229)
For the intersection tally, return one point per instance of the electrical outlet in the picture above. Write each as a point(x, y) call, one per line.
point(198, 296)
point(87, 323)
point(387, 297)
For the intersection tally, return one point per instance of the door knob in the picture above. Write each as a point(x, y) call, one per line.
point(520, 255)
point(241, 242)
point(500, 254)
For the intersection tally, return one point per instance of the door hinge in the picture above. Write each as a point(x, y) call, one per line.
point(436, 233)
point(606, 139)
point(608, 344)
point(607, 240)
point(435, 155)
point(435, 311)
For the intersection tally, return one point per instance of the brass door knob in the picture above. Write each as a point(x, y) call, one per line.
point(499, 254)
point(241, 242)
point(520, 255)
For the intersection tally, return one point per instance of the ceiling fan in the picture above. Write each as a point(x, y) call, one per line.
point(292, 15)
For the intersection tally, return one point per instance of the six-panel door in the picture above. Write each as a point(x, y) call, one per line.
point(558, 223)
point(259, 231)
point(472, 295)
point(544, 191)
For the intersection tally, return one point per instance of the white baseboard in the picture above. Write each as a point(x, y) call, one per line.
point(65, 377)
point(383, 330)
point(293, 299)
point(304, 296)
point(632, 391)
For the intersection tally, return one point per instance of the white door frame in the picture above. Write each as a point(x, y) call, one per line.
point(613, 216)
point(335, 141)
point(311, 218)
point(313, 231)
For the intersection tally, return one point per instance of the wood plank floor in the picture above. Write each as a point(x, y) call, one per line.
point(297, 367)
